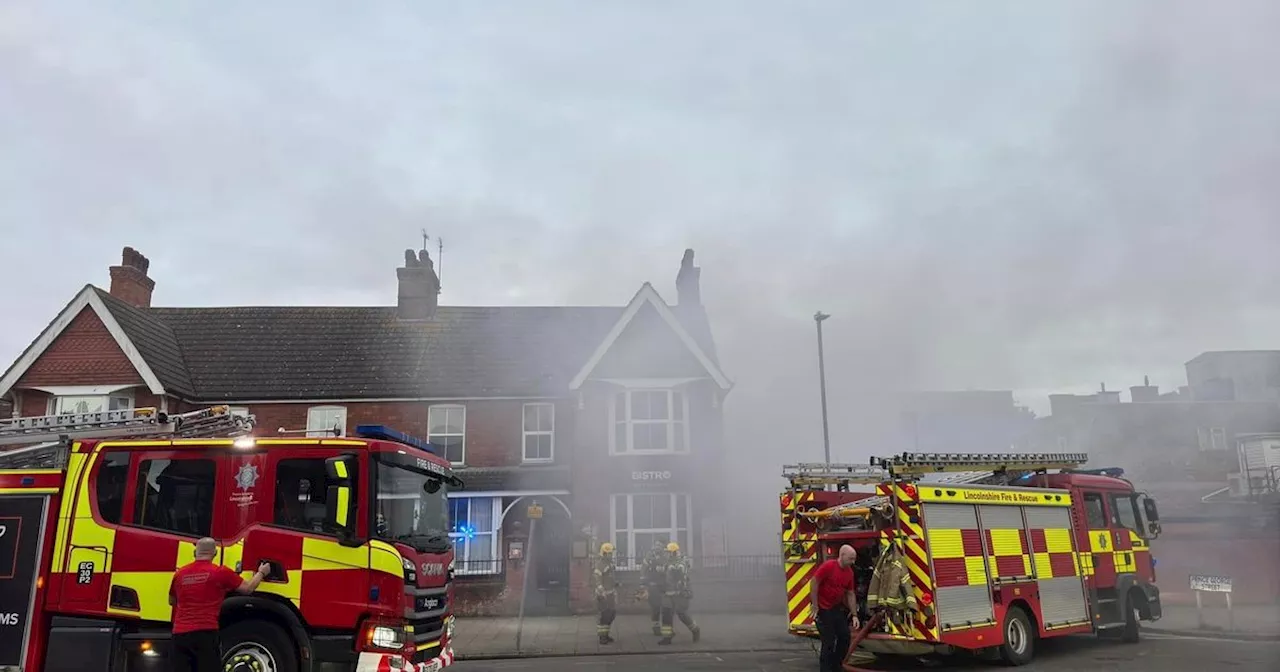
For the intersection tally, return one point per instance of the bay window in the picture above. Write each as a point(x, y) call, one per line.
point(641, 519)
point(649, 422)
point(473, 528)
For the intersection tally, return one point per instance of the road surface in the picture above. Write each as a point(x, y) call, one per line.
point(1157, 653)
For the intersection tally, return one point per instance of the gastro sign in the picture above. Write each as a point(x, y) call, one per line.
point(651, 475)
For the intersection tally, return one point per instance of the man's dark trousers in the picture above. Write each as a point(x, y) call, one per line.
point(833, 628)
point(197, 652)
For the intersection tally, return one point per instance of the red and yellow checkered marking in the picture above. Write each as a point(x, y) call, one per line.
point(910, 536)
point(1010, 557)
point(1053, 553)
point(800, 549)
point(957, 557)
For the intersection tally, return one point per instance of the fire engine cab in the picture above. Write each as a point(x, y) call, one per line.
point(95, 518)
point(999, 550)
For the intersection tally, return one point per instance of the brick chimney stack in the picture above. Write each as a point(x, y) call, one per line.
point(688, 282)
point(419, 292)
point(129, 281)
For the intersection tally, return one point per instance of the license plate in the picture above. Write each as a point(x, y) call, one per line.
point(432, 666)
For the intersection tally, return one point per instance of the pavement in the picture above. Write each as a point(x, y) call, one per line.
point(1157, 653)
point(490, 638)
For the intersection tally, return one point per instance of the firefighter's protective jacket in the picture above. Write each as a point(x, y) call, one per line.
point(655, 570)
point(606, 577)
point(891, 585)
point(677, 578)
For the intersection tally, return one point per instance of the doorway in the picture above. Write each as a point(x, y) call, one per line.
point(548, 586)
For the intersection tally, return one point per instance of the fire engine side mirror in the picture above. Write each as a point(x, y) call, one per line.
point(1150, 515)
point(340, 504)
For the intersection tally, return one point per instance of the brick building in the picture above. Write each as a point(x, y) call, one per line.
point(609, 418)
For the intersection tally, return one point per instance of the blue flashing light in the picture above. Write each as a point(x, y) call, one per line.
point(463, 531)
point(384, 433)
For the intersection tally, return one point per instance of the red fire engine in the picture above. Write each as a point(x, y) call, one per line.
point(999, 552)
point(93, 525)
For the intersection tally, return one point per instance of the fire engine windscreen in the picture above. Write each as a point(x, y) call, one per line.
point(412, 508)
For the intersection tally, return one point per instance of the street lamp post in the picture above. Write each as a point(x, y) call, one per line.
point(818, 318)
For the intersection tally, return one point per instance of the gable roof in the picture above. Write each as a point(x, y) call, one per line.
point(280, 353)
point(649, 296)
point(88, 297)
point(274, 353)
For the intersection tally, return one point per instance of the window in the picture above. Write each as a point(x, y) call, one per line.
point(447, 430)
point(1212, 438)
point(90, 404)
point(650, 421)
point(110, 485)
point(1123, 513)
point(175, 496)
point(641, 519)
point(322, 420)
point(539, 432)
point(301, 491)
point(1093, 512)
point(472, 523)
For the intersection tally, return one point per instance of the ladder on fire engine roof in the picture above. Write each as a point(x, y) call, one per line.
point(949, 469)
point(216, 421)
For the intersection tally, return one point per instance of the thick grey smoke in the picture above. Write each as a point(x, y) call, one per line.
point(1028, 195)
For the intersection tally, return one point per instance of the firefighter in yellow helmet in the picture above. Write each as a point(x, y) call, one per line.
point(606, 581)
point(678, 596)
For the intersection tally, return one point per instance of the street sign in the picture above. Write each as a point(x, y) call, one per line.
point(1211, 584)
point(535, 512)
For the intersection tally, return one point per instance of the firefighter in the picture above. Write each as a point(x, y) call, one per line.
point(655, 583)
point(606, 581)
point(678, 595)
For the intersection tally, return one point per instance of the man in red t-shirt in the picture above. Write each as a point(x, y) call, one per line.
point(834, 606)
point(196, 594)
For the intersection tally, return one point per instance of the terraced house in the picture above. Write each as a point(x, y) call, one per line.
point(606, 420)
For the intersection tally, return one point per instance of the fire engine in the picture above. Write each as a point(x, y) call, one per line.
point(95, 518)
point(999, 551)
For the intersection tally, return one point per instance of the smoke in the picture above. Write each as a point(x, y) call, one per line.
point(1028, 196)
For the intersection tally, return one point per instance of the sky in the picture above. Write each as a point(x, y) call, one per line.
point(1038, 196)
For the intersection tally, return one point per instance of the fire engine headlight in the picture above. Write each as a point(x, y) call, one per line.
point(385, 637)
point(410, 573)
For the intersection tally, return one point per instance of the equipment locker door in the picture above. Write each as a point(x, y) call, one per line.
point(21, 540)
point(1062, 597)
point(960, 569)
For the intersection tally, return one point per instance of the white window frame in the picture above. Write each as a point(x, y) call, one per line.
point(464, 566)
point(1212, 438)
point(124, 399)
point(431, 436)
point(317, 414)
point(673, 425)
point(682, 535)
point(525, 433)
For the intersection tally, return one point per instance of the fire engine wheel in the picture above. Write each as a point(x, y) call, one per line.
point(1132, 631)
point(257, 646)
point(1019, 645)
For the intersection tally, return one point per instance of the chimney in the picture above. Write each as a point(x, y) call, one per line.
point(129, 281)
point(419, 292)
point(688, 287)
point(1144, 392)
